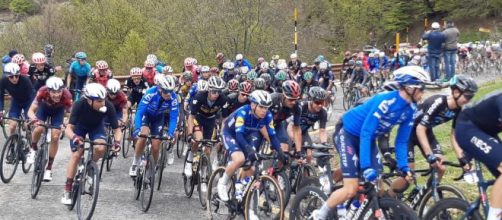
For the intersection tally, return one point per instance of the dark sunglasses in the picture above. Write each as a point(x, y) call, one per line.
point(82, 59)
point(13, 76)
point(319, 102)
point(215, 91)
point(468, 96)
point(244, 94)
point(166, 91)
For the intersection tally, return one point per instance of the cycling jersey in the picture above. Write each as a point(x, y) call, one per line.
point(22, 92)
point(136, 90)
point(359, 76)
point(83, 115)
point(201, 106)
point(486, 113)
point(153, 106)
point(119, 103)
point(242, 63)
point(234, 104)
point(378, 116)
point(309, 118)
point(24, 68)
point(374, 63)
point(191, 94)
point(102, 79)
point(384, 62)
point(149, 76)
point(80, 70)
point(326, 76)
point(281, 112)
point(44, 100)
point(193, 69)
point(38, 78)
point(306, 86)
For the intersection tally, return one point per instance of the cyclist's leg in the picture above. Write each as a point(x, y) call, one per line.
point(282, 134)
point(156, 130)
point(75, 157)
point(98, 135)
point(307, 141)
point(238, 156)
point(14, 112)
point(41, 114)
point(399, 185)
point(56, 121)
point(207, 131)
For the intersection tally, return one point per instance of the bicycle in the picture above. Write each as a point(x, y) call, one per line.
point(201, 169)
point(164, 150)
point(461, 208)
point(262, 197)
point(182, 135)
point(5, 126)
point(41, 159)
point(351, 96)
point(14, 151)
point(127, 131)
point(109, 154)
point(86, 182)
point(144, 182)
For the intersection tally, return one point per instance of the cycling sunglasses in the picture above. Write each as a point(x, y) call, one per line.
point(215, 91)
point(13, 76)
point(468, 96)
point(319, 102)
point(166, 91)
point(244, 94)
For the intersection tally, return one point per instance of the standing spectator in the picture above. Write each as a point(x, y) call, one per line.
point(450, 49)
point(435, 39)
point(240, 62)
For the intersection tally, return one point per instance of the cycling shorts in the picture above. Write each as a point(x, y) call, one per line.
point(56, 114)
point(347, 146)
point(206, 125)
point(434, 144)
point(479, 145)
point(155, 123)
point(231, 144)
point(93, 133)
point(17, 107)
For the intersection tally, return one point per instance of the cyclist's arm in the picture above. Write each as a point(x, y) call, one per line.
point(274, 141)
point(33, 109)
point(2, 93)
point(401, 142)
point(365, 78)
point(323, 136)
point(458, 151)
point(297, 131)
point(141, 109)
point(367, 131)
point(194, 108)
point(173, 116)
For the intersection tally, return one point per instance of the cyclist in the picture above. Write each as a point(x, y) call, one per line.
point(205, 73)
point(101, 74)
point(220, 59)
point(259, 84)
point(80, 69)
point(325, 77)
point(241, 135)
point(189, 64)
point(204, 109)
point(201, 85)
point(237, 100)
point(268, 82)
point(86, 118)
point(49, 53)
point(240, 62)
point(40, 71)
point(251, 76)
point(280, 77)
point(233, 87)
point(359, 76)
point(21, 92)
point(229, 71)
point(294, 63)
point(361, 125)
point(149, 71)
point(23, 64)
point(119, 100)
point(186, 84)
point(348, 72)
point(136, 86)
point(52, 100)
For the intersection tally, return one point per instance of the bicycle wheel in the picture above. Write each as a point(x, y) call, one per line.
point(148, 184)
point(138, 183)
point(187, 181)
point(451, 208)
point(218, 209)
point(88, 192)
point(109, 160)
point(264, 199)
point(9, 160)
point(347, 100)
point(38, 172)
point(444, 191)
point(103, 162)
point(75, 190)
point(180, 144)
point(5, 125)
point(306, 201)
point(394, 209)
point(308, 181)
point(285, 186)
point(308, 171)
point(24, 149)
point(126, 141)
point(162, 162)
point(203, 175)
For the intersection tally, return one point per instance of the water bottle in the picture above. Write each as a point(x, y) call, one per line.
point(245, 183)
point(324, 180)
point(341, 212)
point(353, 208)
point(238, 190)
point(80, 168)
point(471, 177)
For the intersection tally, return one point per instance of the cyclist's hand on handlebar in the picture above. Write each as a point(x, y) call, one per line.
point(408, 174)
point(77, 140)
point(116, 146)
point(282, 157)
point(465, 163)
point(252, 155)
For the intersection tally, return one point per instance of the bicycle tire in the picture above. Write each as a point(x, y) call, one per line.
point(187, 182)
point(148, 186)
point(91, 169)
point(441, 188)
point(308, 181)
point(214, 202)
point(180, 144)
point(24, 150)
point(394, 207)
point(162, 163)
point(125, 142)
point(251, 193)
point(4, 129)
point(103, 162)
point(137, 183)
point(38, 172)
point(309, 171)
point(109, 160)
point(440, 207)
point(74, 190)
point(296, 212)
point(204, 164)
point(284, 184)
point(9, 149)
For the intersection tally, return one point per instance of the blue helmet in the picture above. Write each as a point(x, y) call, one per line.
point(81, 55)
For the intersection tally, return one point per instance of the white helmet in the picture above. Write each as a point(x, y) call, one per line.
point(411, 76)
point(264, 65)
point(230, 66)
point(303, 65)
point(202, 85)
point(216, 83)
point(113, 86)
point(95, 91)
point(293, 56)
point(239, 57)
point(381, 54)
point(261, 98)
point(167, 69)
point(55, 83)
point(423, 50)
point(282, 66)
point(371, 55)
point(11, 69)
point(152, 57)
point(244, 69)
point(166, 82)
point(323, 65)
point(281, 61)
point(204, 69)
point(435, 25)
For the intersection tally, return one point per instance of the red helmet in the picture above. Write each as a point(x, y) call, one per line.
point(18, 58)
point(291, 89)
point(214, 70)
point(233, 85)
point(101, 65)
point(38, 58)
point(245, 87)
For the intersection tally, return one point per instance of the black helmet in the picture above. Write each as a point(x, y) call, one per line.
point(317, 93)
point(463, 83)
point(267, 77)
point(259, 83)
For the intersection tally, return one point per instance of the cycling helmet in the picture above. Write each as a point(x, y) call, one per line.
point(463, 83)
point(259, 83)
point(293, 56)
point(245, 87)
point(18, 59)
point(94, 91)
point(219, 56)
point(214, 70)
point(202, 85)
point(38, 58)
point(435, 25)
point(187, 76)
point(381, 54)
point(266, 77)
point(352, 62)
point(167, 83)
point(308, 75)
point(281, 75)
point(101, 65)
point(239, 57)
point(136, 71)
point(303, 65)
point(216, 83)
point(323, 65)
point(261, 98)
point(167, 69)
point(291, 89)
point(152, 57)
point(113, 86)
point(359, 63)
point(347, 53)
point(282, 65)
point(188, 61)
point(261, 59)
point(371, 55)
point(48, 48)
point(205, 69)
point(233, 85)
point(391, 86)
point(244, 69)
point(81, 55)
point(149, 63)
point(319, 59)
point(230, 65)
point(317, 93)
point(413, 76)
point(11, 69)
point(275, 57)
point(54, 83)
point(252, 75)
point(264, 65)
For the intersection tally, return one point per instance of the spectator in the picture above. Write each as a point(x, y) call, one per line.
point(435, 39)
point(294, 63)
point(450, 49)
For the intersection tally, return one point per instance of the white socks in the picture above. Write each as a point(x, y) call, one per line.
point(494, 214)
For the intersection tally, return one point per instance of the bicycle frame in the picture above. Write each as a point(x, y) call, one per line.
point(482, 199)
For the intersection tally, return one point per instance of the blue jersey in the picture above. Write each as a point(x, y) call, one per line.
point(378, 116)
point(80, 70)
point(152, 105)
point(374, 63)
point(241, 122)
point(191, 93)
